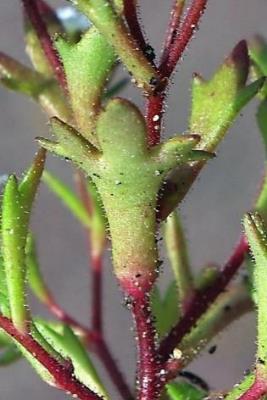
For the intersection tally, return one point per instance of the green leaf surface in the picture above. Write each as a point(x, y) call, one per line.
point(178, 256)
point(112, 27)
point(184, 391)
point(68, 197)
point(257, 238)
point(96, 59)
point(9, 355)
point(165, 308)
point(70, 347)
point(34, 276)
point(30, 182)
point(241, 388)
point(217, 102)
point(14, 232)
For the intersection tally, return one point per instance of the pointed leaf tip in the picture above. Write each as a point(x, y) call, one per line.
point(240, 59)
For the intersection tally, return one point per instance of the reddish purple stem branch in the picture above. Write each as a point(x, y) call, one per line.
point(63, 376)
point(33, 13)
point(130, 13)
point(148, 372)
point(201, 300)
point(181, 41)
point(97, 291)
point(256, 391)
point(174, 23)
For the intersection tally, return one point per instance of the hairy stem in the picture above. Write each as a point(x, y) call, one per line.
point(202, 300)
point(180, 42)
point(130, 13)
point(33, 12)
point(172, 31)
point(63, 376)
point(148, 371)
point(256, 391)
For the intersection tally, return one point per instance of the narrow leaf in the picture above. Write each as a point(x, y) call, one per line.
point(184, 391)
point(68, 198)
point(178, 256)
point(256, 235)
point(14, 232)
point(70, 347)
point(9, 355)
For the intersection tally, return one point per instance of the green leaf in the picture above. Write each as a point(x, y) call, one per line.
point(262, 122)
point(217, 102)
point(177, 253)
point(15, 76)
point(98, 220)
point(9, 355)
point(96, 59)
point(70, 347)
point(112, 27)
point(257, 238)
point(68, 198)
point(241, 388)
point(20, 78)
point(184, 391)
point(29, 184)
point(165, 309)
point(70, 144)
point(34, 276)
point(14, 232)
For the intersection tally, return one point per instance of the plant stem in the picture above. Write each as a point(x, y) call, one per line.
point(180, 42)
point(148, 372)
point(174, 23)
point(154, 113)
point(130, 13)
point(97, 291)
point(256, 391)
point(33, 13)
point(96, 340)
point(202, 299)
point(63, 376)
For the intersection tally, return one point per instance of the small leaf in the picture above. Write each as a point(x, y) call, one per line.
point(34, 275)
point(96, 59)
point(68, 198)
point(262, 122)
point(217, 102)
point(9, 355)
point(184, 391)
point(29, 184)
point(14, 232)
point(165, 309)
point(70, 347)
point(20, 78)
point(178, 256)
point(256, 235)
point(70, 144)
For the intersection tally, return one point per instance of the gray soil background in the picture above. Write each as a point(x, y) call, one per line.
point(212, 211)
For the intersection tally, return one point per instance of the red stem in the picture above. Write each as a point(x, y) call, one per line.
point(63, 376)
point(187, 30)
point(97, 292)
point(33, 13)
point(130, 13)
point(172, 31)
point(201, 300)
point(148, 373)
point(154, 113)
point(256, 391)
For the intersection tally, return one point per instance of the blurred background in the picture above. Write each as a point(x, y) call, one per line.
point(212, 211)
